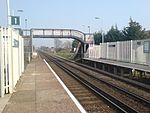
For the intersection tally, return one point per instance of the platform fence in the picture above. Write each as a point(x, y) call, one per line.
point(133, 51)
point(11, 59)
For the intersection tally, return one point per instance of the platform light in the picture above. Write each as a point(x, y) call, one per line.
point(101, 27)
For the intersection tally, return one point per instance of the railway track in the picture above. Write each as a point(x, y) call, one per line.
point(127, 80)
point(90, 102)
point(133, 85)
point(130, 102)
point(144, 100)
point(137, 84)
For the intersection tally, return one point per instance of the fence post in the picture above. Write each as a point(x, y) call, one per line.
point(22, 54)
point(118, 50)
point(100, 50)
point(2, 62)
point(107, 53)
point(89, 51)
point(6, 60)
point(10, 60)
point(131, 42)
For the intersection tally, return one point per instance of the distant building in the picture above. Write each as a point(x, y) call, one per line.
point(89, 38)
point(44, 48)
point(147, 32)
point(52, 49)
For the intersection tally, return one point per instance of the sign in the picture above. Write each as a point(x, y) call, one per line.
point(146, 47)
point(15, 20)
point(89, 39)
point(15, 43)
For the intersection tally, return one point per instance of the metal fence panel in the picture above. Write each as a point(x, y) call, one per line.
point(138, 52)
point(11, 59)
point(112, 51)
point(126, 51)
point(103, 50)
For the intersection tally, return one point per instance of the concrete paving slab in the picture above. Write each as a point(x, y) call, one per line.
point(28, 79)
point(42, 77)
point(43, 85)
point(4, 101)
point(27, 86)
point(22, 96)
point(25, 107)
point(56, 107)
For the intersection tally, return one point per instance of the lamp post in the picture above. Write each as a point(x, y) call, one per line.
point(20, 11)
point(8, 14)
point(90, 35)
point(89, 29)
point(26, 21)
point(101, 28)
point(83, 28)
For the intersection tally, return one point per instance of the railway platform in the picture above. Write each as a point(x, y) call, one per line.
point(38, 91)
point(124, 68)
point(140, 67)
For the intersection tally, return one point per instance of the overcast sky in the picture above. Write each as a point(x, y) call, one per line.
point(78, 14)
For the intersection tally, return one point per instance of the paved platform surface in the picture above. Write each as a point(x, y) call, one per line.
point(122, 64)
point(38, 91)
point(3, 101)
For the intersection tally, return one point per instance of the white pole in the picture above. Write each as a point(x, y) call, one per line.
point(8, 14)
point(26, 25)
point(10, 59)
point(89, 29)
point(101, 28)
point(9, 54)
point(102, 31)
point(131, 47)
point(20, 11)
point(2, 62)
point(6, 59)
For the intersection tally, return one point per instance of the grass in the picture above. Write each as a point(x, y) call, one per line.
point(64, 54)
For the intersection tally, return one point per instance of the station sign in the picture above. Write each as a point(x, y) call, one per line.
point(15, 20)
point(15, 43)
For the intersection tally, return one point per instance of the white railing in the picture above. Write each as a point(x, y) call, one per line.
point(61, 33)
point(11, 59)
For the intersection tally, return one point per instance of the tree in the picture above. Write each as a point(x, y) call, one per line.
point(75, 43)
point(98, 38)
point(114, 35)
point(134, 31)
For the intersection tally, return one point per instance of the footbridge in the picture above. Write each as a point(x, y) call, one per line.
point(83, 38)
point(59, 33)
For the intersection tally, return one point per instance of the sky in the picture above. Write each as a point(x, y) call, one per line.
point(78, 14)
